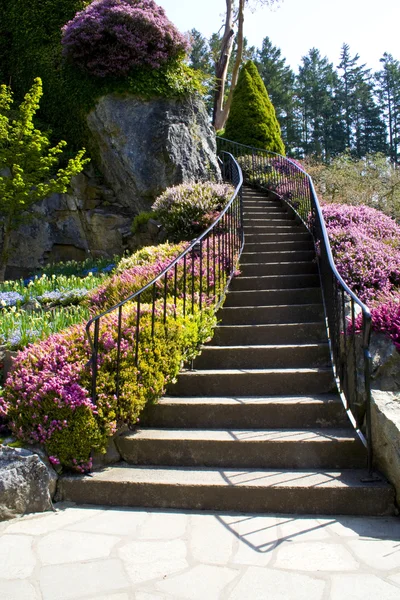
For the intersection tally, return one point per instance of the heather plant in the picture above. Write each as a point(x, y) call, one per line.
point(46, 397)
point(111, 37)
point(366, 248)
point(187, 209)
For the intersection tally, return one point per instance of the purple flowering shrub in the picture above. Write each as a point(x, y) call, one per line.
point(386, 318)
point(47, 394)
point(111, 37)
point(187, 209)
point(204, 274)
point(366, 248)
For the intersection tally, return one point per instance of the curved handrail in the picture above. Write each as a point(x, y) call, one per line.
point(230, 222)
point(336, 293)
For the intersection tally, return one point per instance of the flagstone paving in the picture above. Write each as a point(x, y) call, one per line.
point(88, 553)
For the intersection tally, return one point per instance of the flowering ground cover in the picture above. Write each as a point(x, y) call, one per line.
point(47, 395)
point(366, 249)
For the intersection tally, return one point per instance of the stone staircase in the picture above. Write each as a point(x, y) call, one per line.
point(257, 426)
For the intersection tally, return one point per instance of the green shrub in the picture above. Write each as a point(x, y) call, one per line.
point(142, 219)
point(188, 209)
point(252, 119)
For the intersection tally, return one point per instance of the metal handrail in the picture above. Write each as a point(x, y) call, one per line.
point(224, 237)
point(343, 309)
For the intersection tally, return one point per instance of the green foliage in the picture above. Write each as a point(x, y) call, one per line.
point(142, 219)
point(33, 48)
point(252, 118)
point(188, 209)
point(27, 162)
point(372, 181)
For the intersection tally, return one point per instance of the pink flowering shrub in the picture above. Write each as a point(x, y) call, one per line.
point(207, 272)
point(187, 209)
point(386, 318)
point(111, 37)
point(47, 394)
point(366, 248)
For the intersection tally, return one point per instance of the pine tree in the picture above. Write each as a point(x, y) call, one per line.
point(252, 119)
point(388, 92)
point(323, 132)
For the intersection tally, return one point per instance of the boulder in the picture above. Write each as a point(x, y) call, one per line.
point(143, 147)
point(385, 415)
point(26, 483)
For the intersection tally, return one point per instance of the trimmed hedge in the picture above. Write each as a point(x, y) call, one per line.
point(252, 119)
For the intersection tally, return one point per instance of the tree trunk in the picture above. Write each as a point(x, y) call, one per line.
point(221, 67)
point(223, 114)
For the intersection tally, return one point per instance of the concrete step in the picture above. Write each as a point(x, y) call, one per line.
point(253, 382)
point(265, 213)
point(244, 490)
point(275, 282)
point(261, 356)
point(243, 448)
point(276, 228)
point(278, 268)
point(247, 412)
point(273, 297)
point(295, 234)
point(280, 255)
point(256, 315)
point(276, 218)
point(282, 333)
point(277, 245)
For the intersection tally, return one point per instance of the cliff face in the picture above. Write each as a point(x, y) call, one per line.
point(140, 148)
point(145, 147)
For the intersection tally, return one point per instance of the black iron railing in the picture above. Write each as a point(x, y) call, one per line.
point(348, 319)
point(193, 282)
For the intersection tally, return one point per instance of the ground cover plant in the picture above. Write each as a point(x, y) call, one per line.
point(47, 395)
point(366, 249)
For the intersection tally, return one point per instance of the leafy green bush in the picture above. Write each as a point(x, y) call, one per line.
point(142, 219)
point(252, 119)
point(187, 209)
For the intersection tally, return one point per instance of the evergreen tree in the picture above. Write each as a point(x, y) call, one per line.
point(388, 92)
point(323, 133)
point(252, 119)
point(279, 80)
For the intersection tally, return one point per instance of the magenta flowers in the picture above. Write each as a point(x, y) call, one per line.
point(110, 37)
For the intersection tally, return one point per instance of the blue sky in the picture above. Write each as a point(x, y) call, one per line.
point(370, 27)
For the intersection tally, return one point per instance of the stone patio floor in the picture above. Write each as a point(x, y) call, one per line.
point(95, 553)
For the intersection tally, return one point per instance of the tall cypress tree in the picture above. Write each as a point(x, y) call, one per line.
point(252, 119)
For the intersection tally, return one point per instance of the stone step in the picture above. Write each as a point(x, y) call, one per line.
point(278, 268)
point(261, 356)
point(295, 234)
point(279, 255)
point(253, 382)
point(243, 448)
point(276, 245)
point(246, 412)
point(277, 218)
point(257, 315)
point(276, 282)
point(272, 297)
point(276, 228)
point(244, 490)
point(282, 333)
point(266, 213)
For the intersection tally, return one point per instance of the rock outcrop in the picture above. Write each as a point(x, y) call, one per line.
point(139, 148)
point(27, 484)
point(143, 147)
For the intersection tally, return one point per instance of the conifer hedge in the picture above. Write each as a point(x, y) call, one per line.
point(252, 119)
